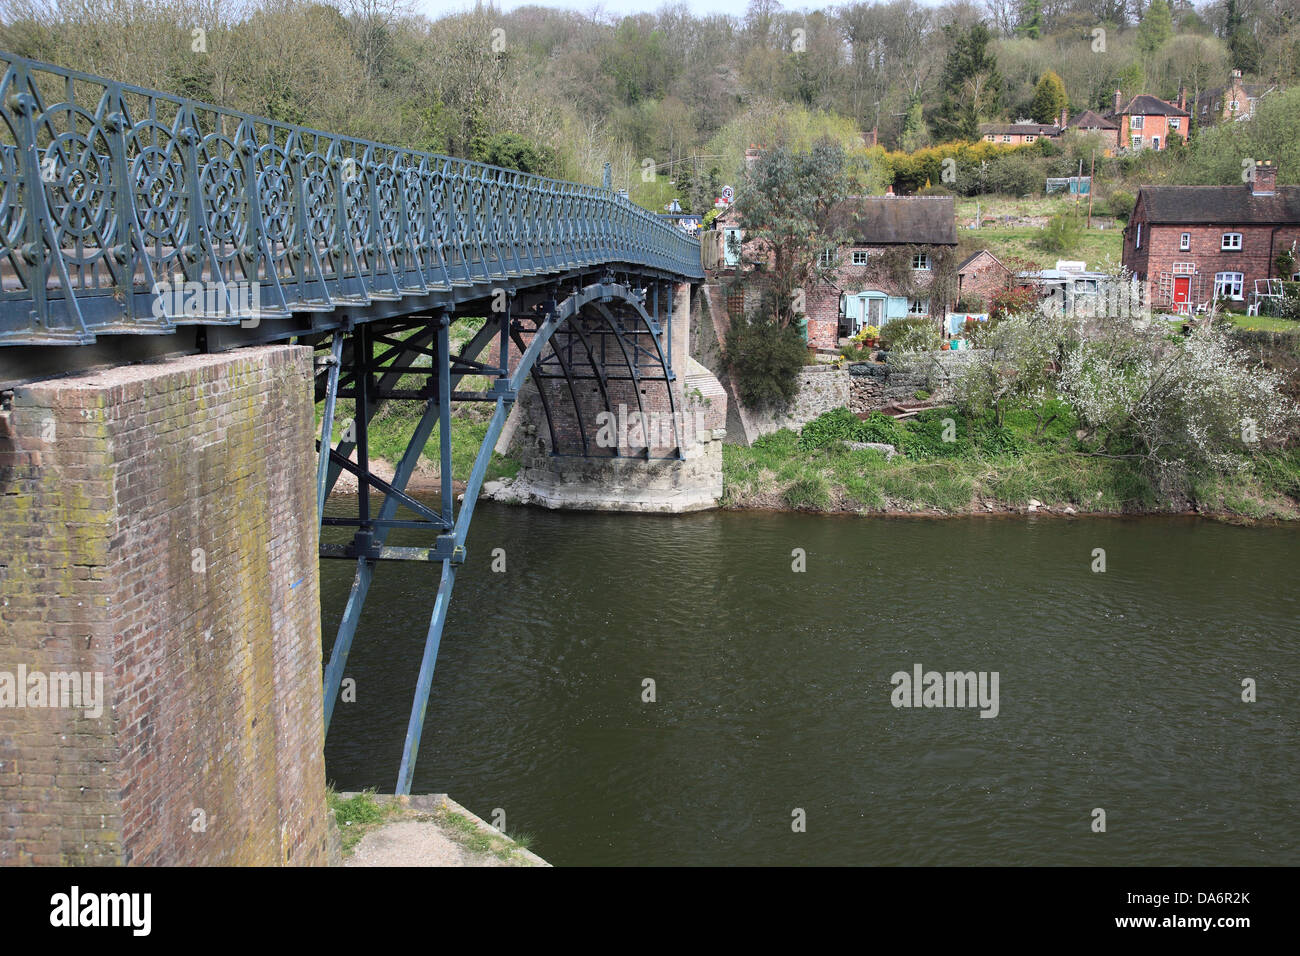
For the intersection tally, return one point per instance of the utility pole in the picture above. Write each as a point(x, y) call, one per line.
point(1092, 177)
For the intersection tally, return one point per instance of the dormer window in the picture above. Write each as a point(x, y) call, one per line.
point(1231, 242)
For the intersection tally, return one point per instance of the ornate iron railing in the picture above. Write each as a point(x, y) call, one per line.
point(154, 211)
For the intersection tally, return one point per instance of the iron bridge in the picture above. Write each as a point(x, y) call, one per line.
point(135, 224)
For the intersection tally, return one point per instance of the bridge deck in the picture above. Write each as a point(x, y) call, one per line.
point(154, 211)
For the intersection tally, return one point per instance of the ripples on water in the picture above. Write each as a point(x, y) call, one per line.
point(1118, 690)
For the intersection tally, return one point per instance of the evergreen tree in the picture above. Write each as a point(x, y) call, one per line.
point(1049, 98)
point(1030, 23)
point(971, 84)
point(1156, 28)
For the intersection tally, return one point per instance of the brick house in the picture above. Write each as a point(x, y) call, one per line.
point(981, 276)
point(1146, 121)
point(1236, 101)
point(895, 247)
point(1195, 244)
point(1017, 134)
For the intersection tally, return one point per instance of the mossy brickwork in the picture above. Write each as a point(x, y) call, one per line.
point(159, 529)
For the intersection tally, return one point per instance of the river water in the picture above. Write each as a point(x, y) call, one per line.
point(1118, 690)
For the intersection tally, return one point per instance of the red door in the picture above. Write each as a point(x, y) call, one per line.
point(1182, 293)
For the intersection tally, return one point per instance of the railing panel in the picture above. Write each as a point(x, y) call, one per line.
point(117, 202)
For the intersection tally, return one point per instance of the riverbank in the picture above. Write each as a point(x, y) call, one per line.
point(421, 830)
point(777, 473)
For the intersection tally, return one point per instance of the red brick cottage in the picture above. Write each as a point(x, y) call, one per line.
point(896, 247)
point(1195, 244)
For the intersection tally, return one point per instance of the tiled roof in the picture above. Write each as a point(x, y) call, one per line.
point(1019, 129)
point(1090, 120)
point(1227, 205)
point(1144, 104)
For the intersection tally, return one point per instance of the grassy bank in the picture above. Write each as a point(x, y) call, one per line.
point(1099, 248)
point(392, 425)
point(988, 471)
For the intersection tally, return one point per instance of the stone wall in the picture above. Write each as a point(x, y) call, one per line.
point(821, 388)
point(159, 528)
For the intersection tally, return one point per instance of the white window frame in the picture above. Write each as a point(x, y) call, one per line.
point(1228, 283)
point(1185, 242)
point(859, 257)
point(1029, 138)
point(828, 257)
point(1227, 244)
point(1138, 244)
point(1173, 122)
point(1135, 142)
point(924, 259)
point(1135, 122)
point(1006, 137)
point(918, 307)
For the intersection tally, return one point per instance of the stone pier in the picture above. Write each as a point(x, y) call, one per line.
point(160, 677)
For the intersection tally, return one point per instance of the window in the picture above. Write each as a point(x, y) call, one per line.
point(1006, 137)
point(859, 257)
point(918, 307)
point(1138, 244)
point(1135, 142)
point(828, 257)
point(1227, 285)
point(1234, 106)
point(1030, 138)
point(1205, 108)
point(1185, 242)
point(1173, 122)
point(1155, 142)
point(1135, 122)
point(989, 137)
point(1231, 241)
point(920, 262)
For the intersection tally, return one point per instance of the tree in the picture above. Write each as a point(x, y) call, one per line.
point(971, 84)
point(1049, 98)
point(1156, 28)
point(1030, 23)
point(1243, 48)
point(785, 200)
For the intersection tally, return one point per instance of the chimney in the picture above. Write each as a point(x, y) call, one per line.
point(1065, 117)
point(1182, 97)
point(1265, 181)
point(1117, 101)
point(890, 190)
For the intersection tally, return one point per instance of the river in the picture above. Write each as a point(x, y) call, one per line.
point(1118, 690)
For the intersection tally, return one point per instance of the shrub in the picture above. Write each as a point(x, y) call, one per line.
point(1017, 301)
point(1062, 233)
point(911, 335)
point(765, 359)
point(1121, 204)
point(839, 424)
